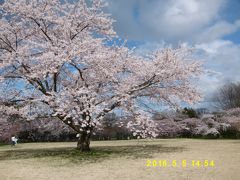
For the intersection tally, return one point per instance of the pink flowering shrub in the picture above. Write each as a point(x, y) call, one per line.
point(168, 128)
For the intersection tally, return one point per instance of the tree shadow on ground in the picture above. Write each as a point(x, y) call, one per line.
point(96, 154)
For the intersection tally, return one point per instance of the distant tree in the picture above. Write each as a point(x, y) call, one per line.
point(191, 113)
point(57, 51)
point(109, 125)
point(228, 96)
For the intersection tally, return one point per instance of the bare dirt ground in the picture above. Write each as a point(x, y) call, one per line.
point(123, 160)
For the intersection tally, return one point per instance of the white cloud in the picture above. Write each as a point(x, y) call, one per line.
point(218, 30)
point(171, 21)
point(213, 47)
point(223, 59)
point(177, 19)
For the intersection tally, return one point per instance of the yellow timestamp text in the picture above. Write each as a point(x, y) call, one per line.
point(180, 163)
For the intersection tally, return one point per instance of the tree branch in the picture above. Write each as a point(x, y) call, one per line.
point(79, 31)
point(43, 31)
point(142, 86)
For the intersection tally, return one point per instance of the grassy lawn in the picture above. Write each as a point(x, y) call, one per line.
point(110, 160)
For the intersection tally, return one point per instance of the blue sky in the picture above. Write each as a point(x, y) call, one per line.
point(211, 27)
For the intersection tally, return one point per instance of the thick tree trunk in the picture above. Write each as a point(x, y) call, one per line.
point(84, 142)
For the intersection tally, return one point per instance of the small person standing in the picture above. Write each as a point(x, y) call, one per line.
point(14, 140)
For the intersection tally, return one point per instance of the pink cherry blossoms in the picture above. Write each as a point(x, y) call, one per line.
point(58, 50)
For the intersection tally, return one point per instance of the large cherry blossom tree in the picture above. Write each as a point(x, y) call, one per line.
point(58, 52)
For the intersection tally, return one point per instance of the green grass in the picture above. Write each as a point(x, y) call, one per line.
point(120, 160)
point(96, 154)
